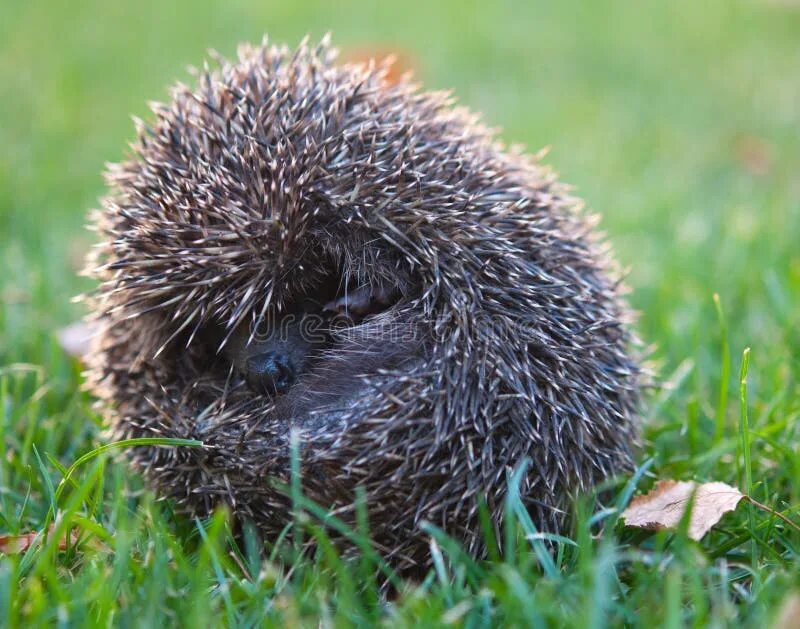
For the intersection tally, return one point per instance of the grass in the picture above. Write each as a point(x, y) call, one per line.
point(677, 121)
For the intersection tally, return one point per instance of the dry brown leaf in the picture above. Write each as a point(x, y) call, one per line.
point(75, 339)
point(18, 544)
point(789, 614)
point(664, 506)
point(402, 62)
point(753, 154)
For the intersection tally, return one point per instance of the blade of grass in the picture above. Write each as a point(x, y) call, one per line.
point(725, 374)
point(744, 433)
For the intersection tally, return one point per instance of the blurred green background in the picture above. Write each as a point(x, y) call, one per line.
point(676, 120)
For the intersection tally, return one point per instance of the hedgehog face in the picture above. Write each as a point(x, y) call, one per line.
point(270, 357)
point(467, 319)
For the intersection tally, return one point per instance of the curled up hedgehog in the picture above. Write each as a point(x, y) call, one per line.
point(297, 247)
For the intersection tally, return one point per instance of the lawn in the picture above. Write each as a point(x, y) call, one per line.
point(677, 121)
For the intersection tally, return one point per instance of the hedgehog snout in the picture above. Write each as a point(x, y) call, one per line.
point(270, 372)
point(271, 363)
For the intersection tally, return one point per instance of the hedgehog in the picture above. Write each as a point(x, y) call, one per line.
point(469, 322)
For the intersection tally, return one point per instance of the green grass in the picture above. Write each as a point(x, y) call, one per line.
point(678, 121)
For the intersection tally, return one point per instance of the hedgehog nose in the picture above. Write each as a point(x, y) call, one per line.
point(270, 372)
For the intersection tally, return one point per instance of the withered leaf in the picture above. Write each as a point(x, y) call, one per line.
point(664, 506)
point(399, 62)
point(789, 614)
point(18, 544)
point(76, 338)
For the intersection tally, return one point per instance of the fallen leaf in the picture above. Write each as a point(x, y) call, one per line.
point(753, 154)
point(399, 62)
point(789, 614)
point(18, 544)
point(76, 339)
point(664, 506)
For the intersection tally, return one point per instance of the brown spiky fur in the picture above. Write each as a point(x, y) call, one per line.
point(282, 169)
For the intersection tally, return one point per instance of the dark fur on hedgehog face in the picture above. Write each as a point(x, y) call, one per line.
point(312, 356)
point(309, 358)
